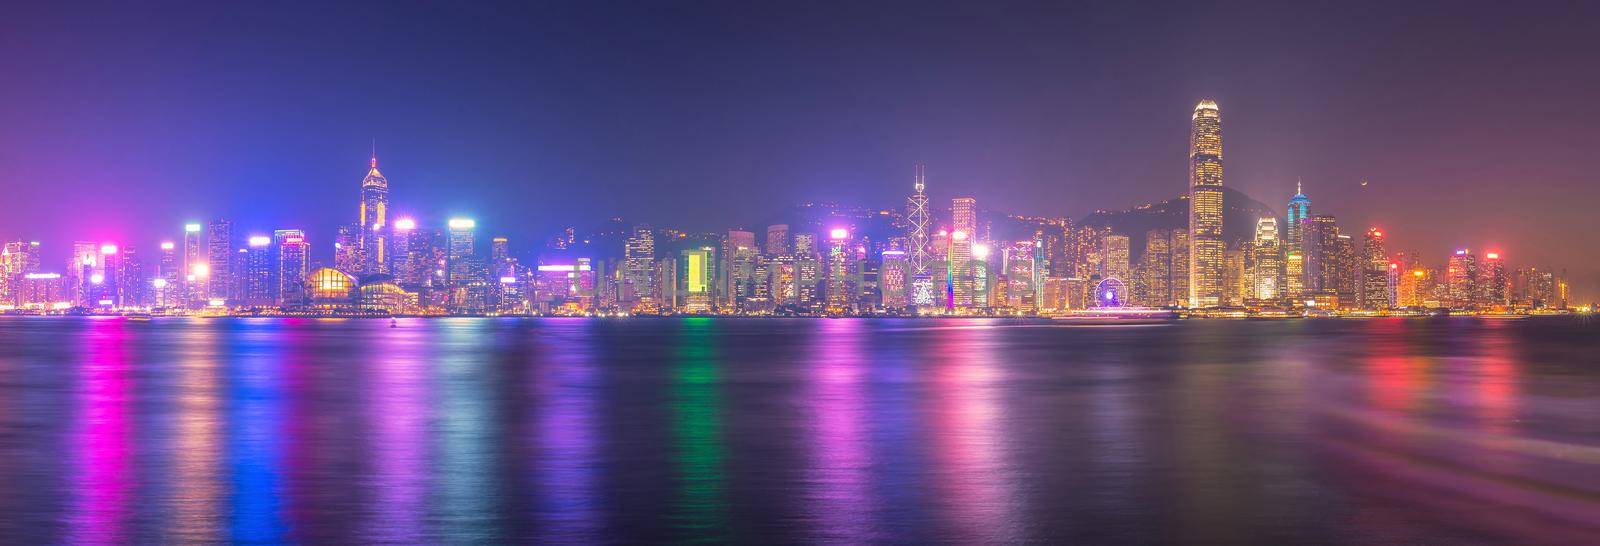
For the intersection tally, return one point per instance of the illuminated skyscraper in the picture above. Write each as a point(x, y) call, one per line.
point(1267, 267)
point(259, 289)
point(1461, 275)
point(1235, 278)
point(777, 239)
point(1299, 211)
point(841, 285)
point(739, 257)
point(1205, 206)
point(17, 260)
point(1493, 283)
point(292, 267)
point(964, 229)
point(219, 257)
point(460, 251)
point(1114, 257)
point(696, 279)
point(1374, 290)
point(373, 220)
point(639, 262)
point(169, 276)
point(1319, 237)
point(917, 216)
point(196, 270)
point(895, 279)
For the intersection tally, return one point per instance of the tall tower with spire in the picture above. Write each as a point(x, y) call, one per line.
point(917, 215)
point(1299, 210)
point(1206, 245)
point(374, 219)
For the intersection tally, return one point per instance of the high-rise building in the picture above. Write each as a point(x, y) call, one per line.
point(259, 289)
point(18, 259)
point(895, 280)
point(1319, 237)
point(777, 240)
point(841, 282)
point(1114, 256)
point(1299, 212)
point(739, 255)
point(348, 256)
point(169, 277)
point(1343, 268)
point(695, 279)
point(219, 258)
point(639, 267)
point(964, 226)
point(1493, 283)
point(1461, 276)
point(460, 252)
point(1267, 265)
point(292, 267)
point(917, 215)
point(373, 236)
point(1151, 277)
point(196, 269)
point(1375, 293)
point(1235, 278)
point(1205, 206)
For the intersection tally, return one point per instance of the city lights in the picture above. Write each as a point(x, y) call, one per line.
point(978, 263)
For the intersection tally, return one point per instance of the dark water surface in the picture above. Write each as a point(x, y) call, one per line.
point(1400, 431)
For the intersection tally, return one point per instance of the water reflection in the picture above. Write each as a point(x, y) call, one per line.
point(968, 433)
point(465, 416)
point(198, 480)
point(838, 494)
point(398, 405)
point(568, 388)
point(255, 432)
point(699, 507)
point(832, 431)
point(101, 512)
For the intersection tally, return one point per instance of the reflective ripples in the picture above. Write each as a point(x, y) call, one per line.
point(820, 431)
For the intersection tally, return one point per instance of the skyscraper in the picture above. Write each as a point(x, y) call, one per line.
point(1114, 257)
point(1493, 283)
point(1461, 277)
point(639, 262)
point(219, 258)
point(964, 228)
point(1374, 294)
point(373, 237)
point(917, 216)
point(777, 240)
point(196, 271)
point(1267, 267)
point(169, 274)
point(292, 266)
point(1299, 211)
point(739, 256)
point(259, 289)
point(1205, 206)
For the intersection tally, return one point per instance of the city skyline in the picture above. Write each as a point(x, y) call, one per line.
point(269, 140)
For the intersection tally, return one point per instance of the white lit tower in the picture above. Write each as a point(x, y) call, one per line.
point(373, 238)
point(917, 215)
point(1205, 206)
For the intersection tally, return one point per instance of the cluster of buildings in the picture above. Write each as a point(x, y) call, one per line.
point(837, 262)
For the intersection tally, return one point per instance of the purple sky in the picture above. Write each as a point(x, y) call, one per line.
point(1475, 122)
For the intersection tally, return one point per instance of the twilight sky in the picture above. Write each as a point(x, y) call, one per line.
point(121, 121)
